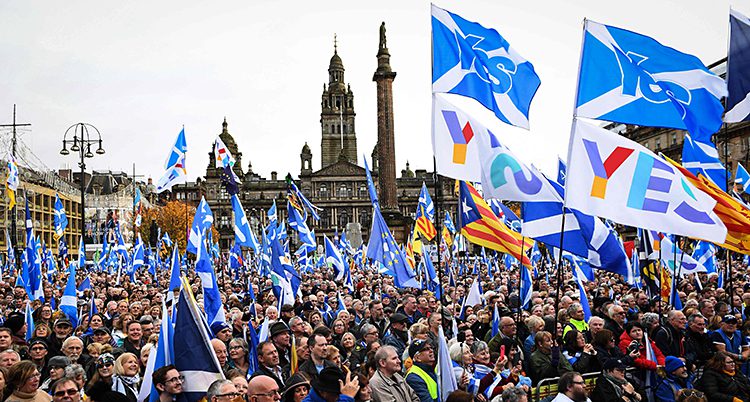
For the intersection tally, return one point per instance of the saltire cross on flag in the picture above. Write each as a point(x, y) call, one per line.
point(702, 157)
point(615, 178)
point(738, 68)
point(471, 60)
point(631, 78)
point(61, 220)
point(481, 226)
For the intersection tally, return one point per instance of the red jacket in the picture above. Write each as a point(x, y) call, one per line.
point(642, 361)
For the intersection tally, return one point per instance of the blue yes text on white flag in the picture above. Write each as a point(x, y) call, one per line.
point(615, 178)
point(631, 78)
point(471, 60)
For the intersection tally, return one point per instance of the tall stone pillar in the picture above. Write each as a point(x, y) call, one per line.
point(384, 77)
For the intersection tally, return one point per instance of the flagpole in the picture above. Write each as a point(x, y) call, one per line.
point(439, 234)
point(520, 302)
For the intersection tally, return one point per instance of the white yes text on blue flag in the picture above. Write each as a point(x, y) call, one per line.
point(471, 60)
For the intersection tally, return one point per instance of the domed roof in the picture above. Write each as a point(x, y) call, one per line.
point(306, 149)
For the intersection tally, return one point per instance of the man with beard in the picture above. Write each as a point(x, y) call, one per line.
point(571, 388)
point(398, 336)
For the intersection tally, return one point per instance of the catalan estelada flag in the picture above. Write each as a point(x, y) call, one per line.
point(734, 215)
point(423, 225)
point(481, 226)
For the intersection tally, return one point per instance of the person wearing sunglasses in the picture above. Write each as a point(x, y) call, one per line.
point(105, 369)
point(168, 382)
point(65, 390)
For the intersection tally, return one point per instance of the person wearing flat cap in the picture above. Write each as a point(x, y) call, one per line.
point(280, 335)
point(612, 385)
point(729, 339)
point(398, 336)
point(332, 386)
point(56, 367)
point(421, 376)
point(677, 379)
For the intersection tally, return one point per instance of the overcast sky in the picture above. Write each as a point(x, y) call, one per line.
point(139, 71)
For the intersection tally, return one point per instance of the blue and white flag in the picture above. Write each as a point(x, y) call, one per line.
point(738, 68)
point(631, 78)
point(203, 220)
point(29, 320)
point(212, 298)
point(81, 254)
point(69, 300)
point(334, 259)
point(273, 218)
point(297, 222)
point(243, 235)
point(527, 287)
point(446, 379)
point(562, 171)
point(61, 220)
point(705, 254)
point(677, 261)
point(471, 60)
point(703, 158)
point(742, 177)
point(495, 322)
point(370, 184)
point(163, 355)
point(382, 248)
point(193, 355)
point(175, 167)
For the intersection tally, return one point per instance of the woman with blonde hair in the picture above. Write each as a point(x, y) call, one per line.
point(23, 383)
point(126, 379)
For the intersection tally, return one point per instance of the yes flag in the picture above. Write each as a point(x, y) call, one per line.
point(738, 68)
point(61, 220)
point(618, 179)
point(702, 157)
point(471, 60)
point(630, 78)
point(175, 168)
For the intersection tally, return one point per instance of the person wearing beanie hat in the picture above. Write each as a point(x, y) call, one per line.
point(421, 376)
point(677, 379)
point(332, 386)
point(16, 322)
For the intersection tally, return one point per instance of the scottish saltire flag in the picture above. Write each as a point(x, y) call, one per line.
point(212, 299)
point(334, 259)
point(585, 235)
point(297, 222)
point(634, 275)
point(495, 322)
point(138, 256)
point(163, 355)
point(473, 61)
point(167, 241)
point(243, 235)
point(81, 254)
point(738, 68)
point(702, 157)
point(193, 355)
point(527, 287)
point(273, 218)
point(580, 277)
point(202, 220)
point(742, 177)
point(29, 320)
point(69, 300)
point(382, 248)
point(174, 275)
point(506, 215)
point(252, 344)
point(61, 220)
point(705, 254)
point(615, 178)
point(562, 171)
point(370, 184)
point(85, 285)
point(630, 78)
point(175, 167)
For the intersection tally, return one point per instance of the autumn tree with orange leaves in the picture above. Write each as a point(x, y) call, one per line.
point(171, 219)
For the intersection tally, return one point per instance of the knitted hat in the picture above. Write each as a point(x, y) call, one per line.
point(673, 364)
point(328, 380)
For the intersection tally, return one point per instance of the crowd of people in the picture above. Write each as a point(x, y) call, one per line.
point(383, 344)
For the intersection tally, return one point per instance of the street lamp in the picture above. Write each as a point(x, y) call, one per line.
point(81, 142)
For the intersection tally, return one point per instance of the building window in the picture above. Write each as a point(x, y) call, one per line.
point(223, 195)
point(323, 192)
point(343, 191)
point(674, 138)
point(658, 143)
point(224, 221)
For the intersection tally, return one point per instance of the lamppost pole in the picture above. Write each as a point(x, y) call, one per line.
point(81, 142)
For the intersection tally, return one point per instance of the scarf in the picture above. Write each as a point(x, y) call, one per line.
point(616, 383)
point(123, 384)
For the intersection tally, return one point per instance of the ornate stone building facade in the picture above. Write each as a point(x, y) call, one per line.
point(339, 187)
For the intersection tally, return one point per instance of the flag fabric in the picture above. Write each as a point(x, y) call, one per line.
point(615, 178)
point(243, 235)
point(202, 220)
point(742, 177)
point(223, 156)
point(733, 213)
point(301, 202)
point(212, 298)
point(175, 168)
point(252, 344)
point(527, 286)
point(229, 179)
point(263, 333)
point(677, 261)
point(61, 220)
point(481, 226)
point(382, 248)
point(425, 215)
point(738, 68)
point(370, 185)
point(473, 61)
point(297, 222)
point(273, 218)
point(334, 259)
point(11, 183)
point(702, 157)
point(69, 299)
point(284, 277)
point(631, 78)
point(163, 355)
point(174, 276)
point(193, 355)
point(29, 320)
point(81, 254)
point(580, 275)
point(446, 378)
point(495, 322)
point(562, 171)
point(11, 254)
point(705, 254)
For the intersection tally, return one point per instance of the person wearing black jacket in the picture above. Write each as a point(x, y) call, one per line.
point(670, 338)
point(580, 355)
point(722, 381)
point(698, 346)
point(612, 385)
